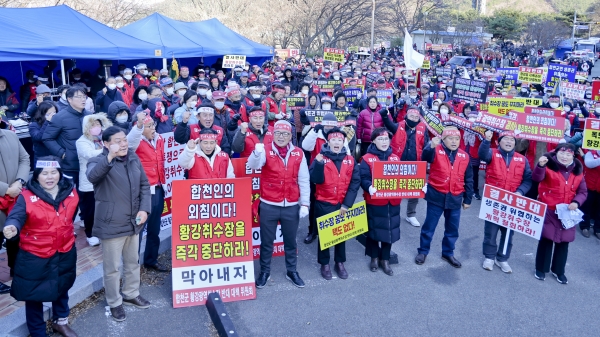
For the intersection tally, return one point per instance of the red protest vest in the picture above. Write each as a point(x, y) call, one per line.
point(554, 190)
point(142, 80)
point(47, 231)
point(153, 160)
point(279, 181)
point(252, 139)
point(445, 177)
point(195, 132)
point(269, 105)
point(399, 139)
point(508, 178)
point(318, 145)
point(370, 158)
point(592, 175)
point(203, 170)
point(333, 190)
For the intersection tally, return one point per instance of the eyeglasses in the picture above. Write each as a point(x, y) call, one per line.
point(282, 134)
point(80, 97)
point(382, 139)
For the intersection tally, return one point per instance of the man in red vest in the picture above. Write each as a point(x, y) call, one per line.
point(206, 120)
point(450, 185)
point(410, 136)
point(510, 171)
point(249, 134)
point(337, 179)
point(590, 206)
point(284, 198)
point(151, 151)
point(204, 159)
point(275, 106)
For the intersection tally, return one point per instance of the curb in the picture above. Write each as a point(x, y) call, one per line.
point(86, 284)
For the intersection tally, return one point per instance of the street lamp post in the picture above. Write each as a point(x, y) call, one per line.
point(424, 27)
point(373, 32)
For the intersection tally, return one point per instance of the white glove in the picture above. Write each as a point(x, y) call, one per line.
point(259, 148)
point(358, 95)
point(303, 211)
point(359, 141)
point(209, 95)
point(279, 116)
point(372, 190)
point(424, 189)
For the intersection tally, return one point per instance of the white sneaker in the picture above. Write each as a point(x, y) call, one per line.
point(488, 264)
point(413, 221)
point(504, 266)
point(93, 241)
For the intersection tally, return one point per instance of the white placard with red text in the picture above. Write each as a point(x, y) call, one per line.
point(172, 172)
point(510, 210)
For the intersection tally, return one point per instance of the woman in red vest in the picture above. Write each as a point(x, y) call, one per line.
point(383, 215)
point(560, 178)
point(450, 186)
point(204, 159)
point(335, 175)
point(45, 268)
point(590, 206)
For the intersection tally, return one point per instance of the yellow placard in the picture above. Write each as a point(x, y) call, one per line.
point(531, 75)
point(591, 134)
point(353, 49)
point(334, 55)
point(426, 63)
point(334, 228)
point(500, 106)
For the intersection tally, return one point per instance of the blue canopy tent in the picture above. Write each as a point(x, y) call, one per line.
point(208, 39)
point(32, 36)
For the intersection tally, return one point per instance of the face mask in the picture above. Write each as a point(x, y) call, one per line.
point(31, 81)
point(256, 96)
point(170, 91)
point(144, 72)
point(122, 119)
point(326, 106)
point(76, 78)
point(435, 107)
point(305, 91)
point(219, 105)
point(413, 96)
point(364, 73)
point(472, 119)
point(443, 110)
point(95, 131)
point(567, 108)
point(120, 85)
point(588, 95)
point(202, 92)
point(127, 77)
point(336, 77)
point(554, 105)
point(63, 97)
point(504, 93)
point(143, 96)
point(181, 93)
point(191, 104)
point(112, 86)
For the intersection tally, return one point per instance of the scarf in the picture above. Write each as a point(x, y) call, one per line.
point(282, 150)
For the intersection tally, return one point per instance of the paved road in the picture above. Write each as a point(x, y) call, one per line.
point(432, 300)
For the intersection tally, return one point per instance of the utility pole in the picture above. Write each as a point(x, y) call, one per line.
point(574, 23)
point(373, 32)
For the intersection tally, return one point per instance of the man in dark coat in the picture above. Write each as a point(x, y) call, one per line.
point(64, 130)
point(107, 95)
point(123, 202)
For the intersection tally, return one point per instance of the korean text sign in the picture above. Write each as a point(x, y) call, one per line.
point(502, 105)
point(241, 170)
point(540, 128)
point(316, 116)
point(334, 55)
point(596, 91)
point(212, 241)
point(572, 90)
point(327, 85)
point(172, 172)
point(395, 180)
point(468, 89)
point(591, 134)
point(531, 75)
point(559, 73)
point(334, 228)
point(510, 210)
point(231, 61)
point(295, 103)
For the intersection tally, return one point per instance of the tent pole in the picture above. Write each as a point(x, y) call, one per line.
point(164, 63)
point(62, 71)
